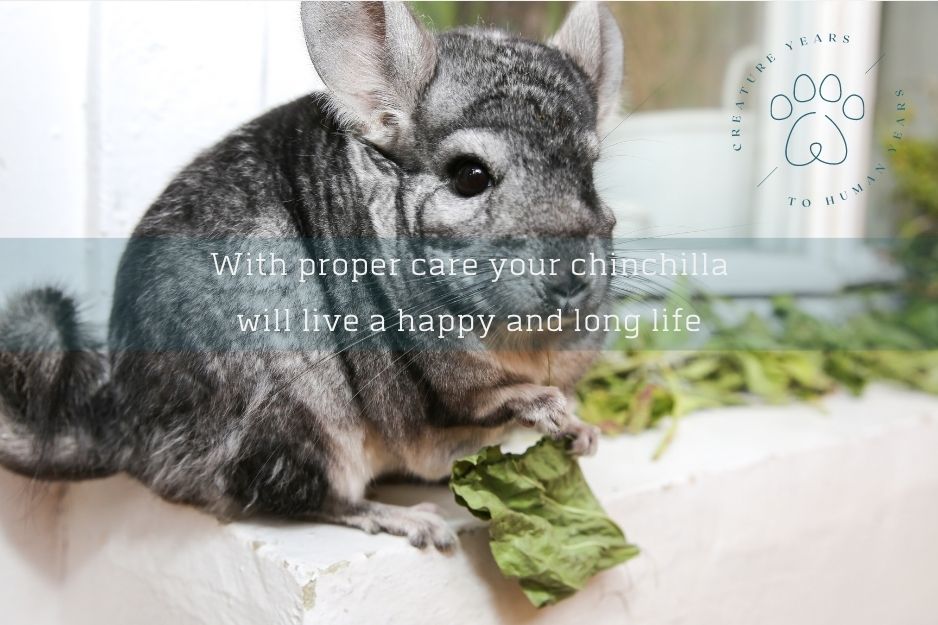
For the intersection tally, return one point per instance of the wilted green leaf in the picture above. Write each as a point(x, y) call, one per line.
point(547, 530)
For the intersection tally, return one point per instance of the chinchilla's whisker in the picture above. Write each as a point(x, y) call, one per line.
point(343, 350)
point(660, 291)
point(316, 364)
point(632, 140)
point(681, 233)
point(650, 95)
point(635, 156)
point(331, 356)
point(378, 375)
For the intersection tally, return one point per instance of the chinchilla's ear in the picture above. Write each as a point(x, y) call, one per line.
point(375, 57)
point(591, 37)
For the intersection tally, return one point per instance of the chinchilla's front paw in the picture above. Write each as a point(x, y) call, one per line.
point(546, 411)
point(549, 411)
point(584, 438)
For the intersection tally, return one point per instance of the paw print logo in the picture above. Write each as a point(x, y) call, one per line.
point(815, 135)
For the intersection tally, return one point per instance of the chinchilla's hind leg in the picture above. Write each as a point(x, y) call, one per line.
point(421, 524)
point(275, 477)
point(278, 479)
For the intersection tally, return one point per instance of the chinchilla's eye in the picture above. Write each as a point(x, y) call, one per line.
point(470, 178)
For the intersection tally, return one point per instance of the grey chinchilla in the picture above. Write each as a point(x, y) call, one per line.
point(472, 133)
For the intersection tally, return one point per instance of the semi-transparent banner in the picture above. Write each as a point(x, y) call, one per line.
point(248, 294)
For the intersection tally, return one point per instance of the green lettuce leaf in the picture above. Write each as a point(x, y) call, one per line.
point(547, 530)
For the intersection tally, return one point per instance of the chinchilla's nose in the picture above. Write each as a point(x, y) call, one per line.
point(566, 291)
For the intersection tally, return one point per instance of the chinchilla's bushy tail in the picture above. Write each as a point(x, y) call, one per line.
point(53, 390)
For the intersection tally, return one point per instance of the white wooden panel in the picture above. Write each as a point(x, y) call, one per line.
point(289, 72)
point(169, 80)
point(42, 118)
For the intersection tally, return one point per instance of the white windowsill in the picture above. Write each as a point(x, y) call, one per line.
point(756, 514)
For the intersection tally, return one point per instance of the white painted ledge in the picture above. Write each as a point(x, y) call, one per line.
point(787, 515)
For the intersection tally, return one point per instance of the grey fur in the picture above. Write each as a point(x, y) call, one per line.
point(301, 433)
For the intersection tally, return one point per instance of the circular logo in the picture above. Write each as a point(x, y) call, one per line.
point(803, 111)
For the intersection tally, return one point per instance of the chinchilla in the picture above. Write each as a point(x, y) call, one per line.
point(472, 133)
